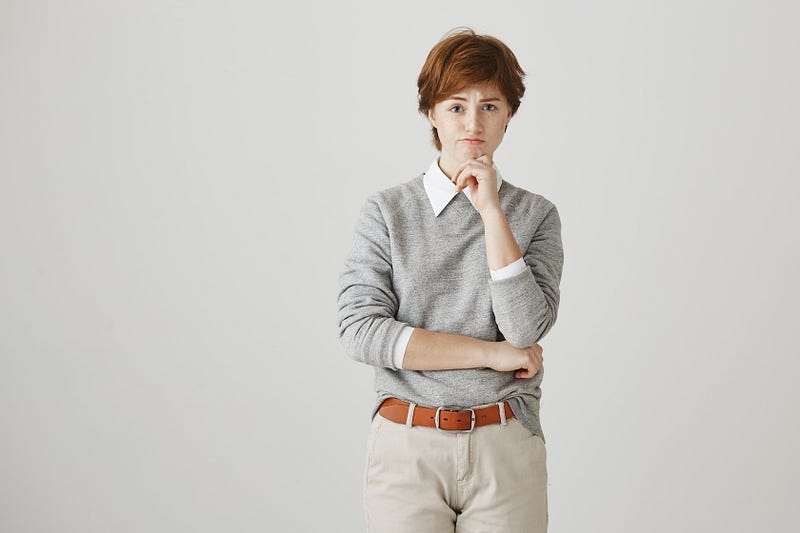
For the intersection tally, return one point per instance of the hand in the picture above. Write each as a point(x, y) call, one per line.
point(480, 176)
point(526, 361)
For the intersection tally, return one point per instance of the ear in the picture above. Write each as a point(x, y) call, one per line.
point(431, 118)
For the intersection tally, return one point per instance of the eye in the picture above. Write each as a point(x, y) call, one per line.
point(490, 107)
point(455, 108)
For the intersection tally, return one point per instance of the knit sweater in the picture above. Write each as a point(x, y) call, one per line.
point(408, 267)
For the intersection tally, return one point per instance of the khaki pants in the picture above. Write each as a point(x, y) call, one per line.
point(421, 479)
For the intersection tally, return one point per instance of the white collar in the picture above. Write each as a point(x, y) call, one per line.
point(441, 190)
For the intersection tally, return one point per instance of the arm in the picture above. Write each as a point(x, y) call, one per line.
point(449, 351)
point(501, 247)
point(431, 350)
point(526, 304)
point(367, 304)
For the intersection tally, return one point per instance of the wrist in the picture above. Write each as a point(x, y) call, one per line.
point(488, 350)
point(492, 213)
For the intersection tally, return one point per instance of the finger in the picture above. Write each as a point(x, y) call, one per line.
point(457, 173)
point(461, 167)
point(470, 182)
point(472, 162)
point(469, 172)
point(462, 177)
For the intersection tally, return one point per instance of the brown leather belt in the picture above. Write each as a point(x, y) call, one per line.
point(453, 419)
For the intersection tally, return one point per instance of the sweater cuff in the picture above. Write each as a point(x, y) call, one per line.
point(400, 344)
point(509, 271)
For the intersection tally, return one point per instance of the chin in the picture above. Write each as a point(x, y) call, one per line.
point(476, 154)
point(472, 153)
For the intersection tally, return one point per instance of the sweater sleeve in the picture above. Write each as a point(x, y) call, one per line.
point(526, 305)
point(400, 346)
point(367, 304)
point(509, 270)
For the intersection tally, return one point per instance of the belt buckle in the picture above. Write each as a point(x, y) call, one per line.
point(472, 423)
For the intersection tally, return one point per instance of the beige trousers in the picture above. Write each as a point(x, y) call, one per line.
point(421, 479)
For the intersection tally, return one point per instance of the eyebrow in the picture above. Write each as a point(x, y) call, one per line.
point(492, 99)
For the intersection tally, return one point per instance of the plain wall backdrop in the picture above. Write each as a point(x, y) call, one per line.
point(179, 183)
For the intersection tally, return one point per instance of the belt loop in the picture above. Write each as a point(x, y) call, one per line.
point(502, 406)
point(410, 418)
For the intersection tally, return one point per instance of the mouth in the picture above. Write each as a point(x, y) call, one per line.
point(472, 140)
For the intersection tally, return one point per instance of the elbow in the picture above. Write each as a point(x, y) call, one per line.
point(524, 338)
point(368, 339)
point(353, 339)
point(531, 331)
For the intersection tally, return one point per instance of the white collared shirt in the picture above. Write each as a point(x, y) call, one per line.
point(441, 191)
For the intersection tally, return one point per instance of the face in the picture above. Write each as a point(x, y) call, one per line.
point(470, 123)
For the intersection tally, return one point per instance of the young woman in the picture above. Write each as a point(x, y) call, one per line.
point(446, 295)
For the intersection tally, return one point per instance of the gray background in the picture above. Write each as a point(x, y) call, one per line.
point(178, 187)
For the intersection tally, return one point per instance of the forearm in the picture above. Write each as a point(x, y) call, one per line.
point(501, 246)
point(431, 350)
point(525, 305)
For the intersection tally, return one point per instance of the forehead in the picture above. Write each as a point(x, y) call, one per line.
point(477, 90)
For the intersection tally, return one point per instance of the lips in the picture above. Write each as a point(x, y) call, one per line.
point(472, 140)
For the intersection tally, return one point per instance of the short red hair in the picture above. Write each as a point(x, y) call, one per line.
point(463, 58)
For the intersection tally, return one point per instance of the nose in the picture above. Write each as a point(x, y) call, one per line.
point(472, 122)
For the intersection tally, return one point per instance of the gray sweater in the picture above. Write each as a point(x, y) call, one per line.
point(410, 267)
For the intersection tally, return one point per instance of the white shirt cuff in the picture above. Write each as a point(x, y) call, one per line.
point(400, 344)
point(510, 270)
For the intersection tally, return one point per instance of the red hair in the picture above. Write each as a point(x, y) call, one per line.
point(463, 58)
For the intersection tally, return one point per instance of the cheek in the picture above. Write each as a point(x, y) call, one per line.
point(500, 129)
point(445, 130)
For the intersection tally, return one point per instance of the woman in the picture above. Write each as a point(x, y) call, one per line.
point(446, 295)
